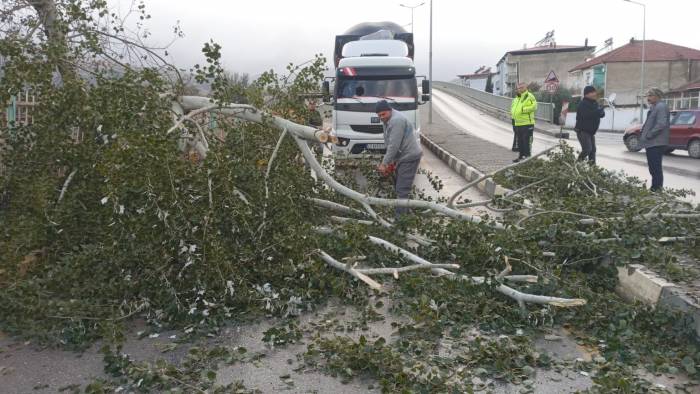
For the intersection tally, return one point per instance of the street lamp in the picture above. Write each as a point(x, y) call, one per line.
point(430, 54)
point(412, 7)
point(430, 67)
point(644, 40)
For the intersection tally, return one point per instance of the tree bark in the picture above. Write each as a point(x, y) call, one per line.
point(49, 19)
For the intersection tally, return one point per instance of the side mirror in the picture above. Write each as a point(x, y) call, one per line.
point(425, 88)
point(425, 98)
point(326, 91)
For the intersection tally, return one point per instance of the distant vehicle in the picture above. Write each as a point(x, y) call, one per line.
point(374, 61)
point(685, 133)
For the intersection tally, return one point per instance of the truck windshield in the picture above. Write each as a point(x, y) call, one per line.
point(377, 86)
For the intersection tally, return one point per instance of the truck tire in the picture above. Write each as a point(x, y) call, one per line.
point(632, 143)
point(694, 149)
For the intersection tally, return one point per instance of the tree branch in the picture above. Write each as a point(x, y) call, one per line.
point(336, 207)
point(553, 212)
point(451, 201)
point(503, 197)
point(302, 133)
point(338, 265)
point(392, 271)
point(501, 288)
point(65, 185)
point(362, 198)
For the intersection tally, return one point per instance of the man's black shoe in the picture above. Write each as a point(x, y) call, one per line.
point(517, 160)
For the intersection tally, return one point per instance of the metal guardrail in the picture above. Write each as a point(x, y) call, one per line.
point(545, 111)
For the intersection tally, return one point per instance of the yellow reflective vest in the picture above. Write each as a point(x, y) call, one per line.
point(523, 109)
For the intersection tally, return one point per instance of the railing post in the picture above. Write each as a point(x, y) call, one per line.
point(12, 112)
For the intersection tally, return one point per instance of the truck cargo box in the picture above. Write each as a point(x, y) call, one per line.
point(364, 29)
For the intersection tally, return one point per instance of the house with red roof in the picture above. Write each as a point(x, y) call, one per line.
point(668, 67)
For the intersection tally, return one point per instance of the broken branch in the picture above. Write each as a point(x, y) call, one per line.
point(359, 275)
point(451, 201)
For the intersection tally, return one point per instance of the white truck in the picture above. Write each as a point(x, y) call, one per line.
point(373, 62)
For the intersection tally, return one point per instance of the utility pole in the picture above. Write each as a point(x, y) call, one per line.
point(644, 41)
point(430, 66)
point(412, 7)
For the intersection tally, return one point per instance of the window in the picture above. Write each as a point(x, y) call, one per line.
point(685, 103)
point(693, 99)
point(683, 118)
point(377, 87)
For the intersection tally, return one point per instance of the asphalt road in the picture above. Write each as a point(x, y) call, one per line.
point(680, 171)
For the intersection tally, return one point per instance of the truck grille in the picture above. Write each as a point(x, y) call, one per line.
point(362, 148)
point(370, 129)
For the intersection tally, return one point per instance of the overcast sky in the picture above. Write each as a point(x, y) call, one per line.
point(263, 34)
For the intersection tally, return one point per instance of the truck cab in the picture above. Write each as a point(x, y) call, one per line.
point(373, 67)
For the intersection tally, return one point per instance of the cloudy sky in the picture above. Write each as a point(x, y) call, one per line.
point(263, 34)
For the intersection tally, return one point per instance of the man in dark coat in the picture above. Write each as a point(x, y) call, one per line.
point(588, 117)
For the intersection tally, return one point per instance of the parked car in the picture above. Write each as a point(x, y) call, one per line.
point(685, 133)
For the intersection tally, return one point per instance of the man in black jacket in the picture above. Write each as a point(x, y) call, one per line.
point(588, 117)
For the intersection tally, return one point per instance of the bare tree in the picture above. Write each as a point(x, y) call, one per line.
point(85, 37)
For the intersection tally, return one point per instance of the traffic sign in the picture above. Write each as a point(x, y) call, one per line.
point(551, 77)
point(551, 83)
point(551, 87)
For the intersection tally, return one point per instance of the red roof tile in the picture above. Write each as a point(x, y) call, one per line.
point(656, 51)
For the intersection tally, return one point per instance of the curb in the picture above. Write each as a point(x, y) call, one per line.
point(673, 298)
point(502, 115)
point(638, 283)
point(603, 131)
point(487, 186)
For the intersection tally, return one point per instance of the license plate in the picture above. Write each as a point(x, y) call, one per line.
point(375, 146)
point(375, 119)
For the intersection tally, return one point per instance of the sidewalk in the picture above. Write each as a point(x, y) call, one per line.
point(483, 155)
point(468, 155)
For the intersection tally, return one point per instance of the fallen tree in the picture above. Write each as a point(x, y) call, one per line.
point(105, 220)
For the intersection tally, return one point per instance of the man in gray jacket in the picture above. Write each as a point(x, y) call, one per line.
point(655, 137)
point(403, 151)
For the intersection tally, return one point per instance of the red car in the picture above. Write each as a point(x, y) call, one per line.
point(685, 133)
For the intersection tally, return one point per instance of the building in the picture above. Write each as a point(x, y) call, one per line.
point(16, 112)
point(478, 79)
point(684, 97)
point(530, 65)
point(668, 67)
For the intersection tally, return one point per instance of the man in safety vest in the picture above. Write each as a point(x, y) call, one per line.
point(522, 111)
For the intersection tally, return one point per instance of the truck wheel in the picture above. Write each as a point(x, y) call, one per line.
point(632, 143)
point(694, 149)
